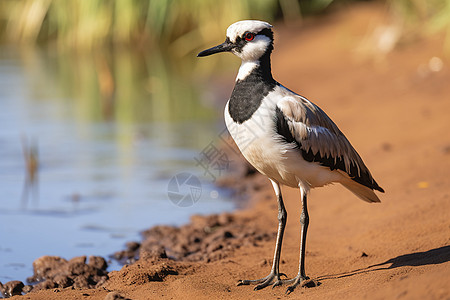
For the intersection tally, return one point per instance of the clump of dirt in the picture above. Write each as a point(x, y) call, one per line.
point(56, 272)
point(11, 288)
point(144, 271)
point(199, 240)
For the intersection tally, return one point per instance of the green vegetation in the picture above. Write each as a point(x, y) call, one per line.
point(182, 24)
point(423, 17)
point(85, 24)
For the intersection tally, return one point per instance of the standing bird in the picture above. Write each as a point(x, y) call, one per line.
point(285, 137)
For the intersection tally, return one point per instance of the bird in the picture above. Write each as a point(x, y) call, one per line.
point(285, 137)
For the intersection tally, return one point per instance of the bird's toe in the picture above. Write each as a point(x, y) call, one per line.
point(302, 281)
point(271, 279)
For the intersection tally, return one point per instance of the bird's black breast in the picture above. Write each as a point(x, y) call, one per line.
point(248, 94)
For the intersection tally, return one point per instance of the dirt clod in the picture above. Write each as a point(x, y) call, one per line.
point(12, 288)
point(199, 240)
point(55, 272)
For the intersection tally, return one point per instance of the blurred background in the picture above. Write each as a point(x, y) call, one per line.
point(103, 102)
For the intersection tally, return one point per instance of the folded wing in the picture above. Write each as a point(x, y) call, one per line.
point(319, 140)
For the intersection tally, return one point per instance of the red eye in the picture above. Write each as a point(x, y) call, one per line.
point(249, 36)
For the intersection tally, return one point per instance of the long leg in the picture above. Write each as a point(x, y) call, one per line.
point(304, 221)
point(274, 275)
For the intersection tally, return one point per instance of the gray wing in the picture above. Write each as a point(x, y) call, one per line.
point(319, 140)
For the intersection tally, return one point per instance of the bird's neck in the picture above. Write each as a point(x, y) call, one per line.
point(254, 82)
point(260, 68)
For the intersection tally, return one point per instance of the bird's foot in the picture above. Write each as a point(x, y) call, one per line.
point(271, 279)
point(299, 280)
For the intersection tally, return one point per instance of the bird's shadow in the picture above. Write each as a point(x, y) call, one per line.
point(430, 257)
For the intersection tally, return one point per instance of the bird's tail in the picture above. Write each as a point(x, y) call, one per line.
point(360, 190)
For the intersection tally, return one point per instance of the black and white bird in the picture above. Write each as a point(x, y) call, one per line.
point(285, 137)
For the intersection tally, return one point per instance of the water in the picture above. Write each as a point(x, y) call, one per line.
point(110, 131)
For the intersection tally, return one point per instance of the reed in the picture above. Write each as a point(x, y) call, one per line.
point(86, 24)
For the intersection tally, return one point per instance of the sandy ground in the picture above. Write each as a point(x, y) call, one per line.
point(395, 111)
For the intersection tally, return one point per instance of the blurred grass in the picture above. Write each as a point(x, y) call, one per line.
point(85, 24)
point(422, 17)
point(183, 25)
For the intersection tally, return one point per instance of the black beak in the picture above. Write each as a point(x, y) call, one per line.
point(224, 47)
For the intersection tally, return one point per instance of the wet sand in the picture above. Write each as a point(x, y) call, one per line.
point(395, 111)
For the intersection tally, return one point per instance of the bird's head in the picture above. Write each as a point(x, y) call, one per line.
point(249, 40)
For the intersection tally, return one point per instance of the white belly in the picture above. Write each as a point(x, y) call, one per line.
point(269, 154)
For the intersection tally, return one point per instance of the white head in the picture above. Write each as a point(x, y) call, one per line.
point(249, 40)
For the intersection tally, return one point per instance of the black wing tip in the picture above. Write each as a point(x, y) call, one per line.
point(379, 188)
point(375, 186)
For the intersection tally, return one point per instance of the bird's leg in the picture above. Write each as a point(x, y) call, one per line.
point(274, 275)
point(304, 221)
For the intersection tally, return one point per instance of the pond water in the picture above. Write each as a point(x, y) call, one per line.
point(88, 146)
